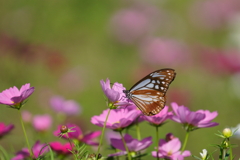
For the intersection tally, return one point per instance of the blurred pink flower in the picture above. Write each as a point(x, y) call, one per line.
point(193, 120)
point(69, 107)
point(38, 150)
point(159, 118)
point(118, 118)
point(77, 134)
point(135, 23)
point(14, 97)
point(115, 93)
point(59, 148)
point(5, 129)
point(221, 61)
point(26, 116)
point(167, 52)
point(171, 150)
point(133, 145)
point(214, 14)
point(42, 122)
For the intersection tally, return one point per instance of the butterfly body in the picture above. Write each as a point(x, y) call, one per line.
point(148, 94)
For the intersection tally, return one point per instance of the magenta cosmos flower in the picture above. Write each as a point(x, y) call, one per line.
point(38, 150)
point(14, 97)
point(193, 120)
point(77, 134)
point(133, 145)
point(5, 129)
point(59, 148)
point(159, 118)
point(115, 94)
point(69, 107)
point(117, 120)
point(170, 150)
point(42, 122)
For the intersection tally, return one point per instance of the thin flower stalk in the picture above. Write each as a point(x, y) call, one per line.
point(103, 132)
point(124, 143)
point(138, 131)
point(25, 134)
point(185, 141)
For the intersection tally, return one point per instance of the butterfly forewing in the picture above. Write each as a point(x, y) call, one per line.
point(148, 94)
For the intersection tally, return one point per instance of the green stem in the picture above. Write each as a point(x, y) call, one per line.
point(230, 149)
point(185, 142)
point(125, 145)
point(157, 139)
point(138, 131)
point(103, 131)
point(25, 134)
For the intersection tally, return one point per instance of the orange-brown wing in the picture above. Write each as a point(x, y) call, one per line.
point(150, 102)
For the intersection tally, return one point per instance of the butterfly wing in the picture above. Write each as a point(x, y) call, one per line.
point(148, 94)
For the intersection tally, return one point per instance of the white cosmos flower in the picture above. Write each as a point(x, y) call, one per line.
point(204, 154)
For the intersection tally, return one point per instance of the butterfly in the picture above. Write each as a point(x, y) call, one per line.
point(148, 94)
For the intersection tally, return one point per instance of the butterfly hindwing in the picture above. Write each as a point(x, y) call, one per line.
point(150, 102)
point(148, 94)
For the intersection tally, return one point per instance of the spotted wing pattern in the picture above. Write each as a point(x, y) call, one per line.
point(148, 94)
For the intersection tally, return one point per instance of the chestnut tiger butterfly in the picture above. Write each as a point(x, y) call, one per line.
point(149, 94)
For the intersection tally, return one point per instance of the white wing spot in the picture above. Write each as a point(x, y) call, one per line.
point(150, 85)
point(157, 87)
point(163, 82)
point(158, 81)
point(162, 88)
point(153, 81)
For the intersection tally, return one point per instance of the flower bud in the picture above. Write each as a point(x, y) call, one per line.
point(64, 129)
point(227, 132)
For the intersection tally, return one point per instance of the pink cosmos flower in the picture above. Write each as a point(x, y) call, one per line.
point(115, 94)
point(69, 107)
point(133, 145)
point(193, 120)
point(221, 61)
point(77, 134)
point(62, 149)
point(168, 52)
point(38, 150)
point(118, 118)
point(14, 97)
point(42, 122)
point(170, 150)
point(5, 129)
point(159, 118)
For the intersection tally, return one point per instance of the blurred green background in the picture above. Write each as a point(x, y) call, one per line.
point(66, 47)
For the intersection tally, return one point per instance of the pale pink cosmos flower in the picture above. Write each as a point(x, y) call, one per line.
point(118, 118)
point(214, 14)
point(42, 122)
point(14, 97)
point(168, 52)
point(170, 150)
point(77, 134)
point(133, 145)
point(38, 150)
point(26, 116)
point(159, 118)
point(69, 107)
point(193, 120)
point(5, 129)
point(131, 25)
point(115, 93)
point(61, 149)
